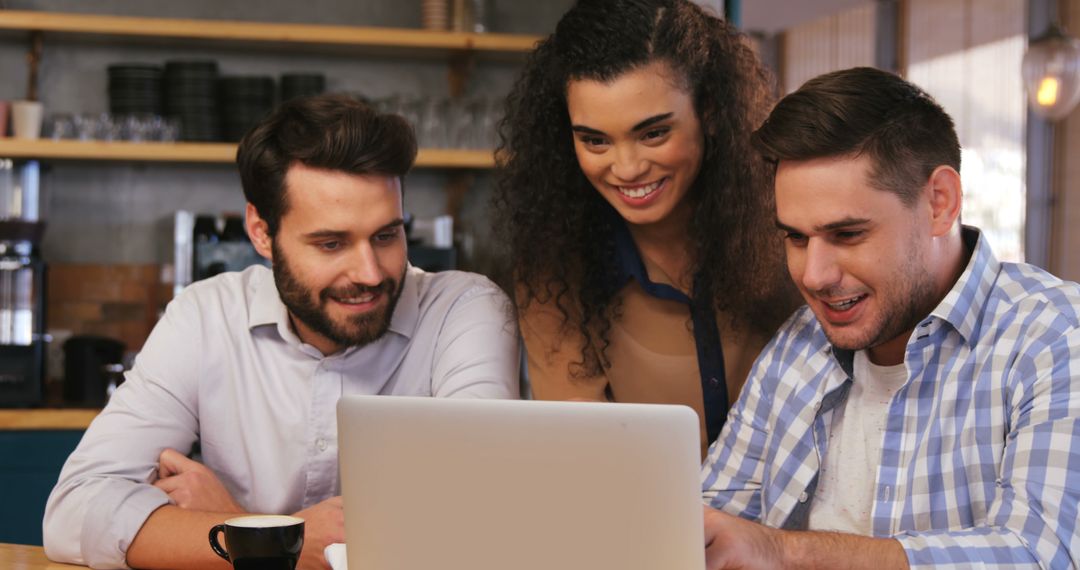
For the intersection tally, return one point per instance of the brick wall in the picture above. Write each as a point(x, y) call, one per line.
point(115, 301)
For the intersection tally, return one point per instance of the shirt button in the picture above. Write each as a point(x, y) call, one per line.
point(803, 497)
point(321, 444)
point(714, 381)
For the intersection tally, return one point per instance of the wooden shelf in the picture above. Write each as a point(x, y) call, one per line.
point(393, 40)
point(46, 419)
point(46, 149)
point(402, 40)
point(452, 158)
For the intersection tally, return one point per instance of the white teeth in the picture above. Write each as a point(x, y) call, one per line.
point(367, 298)
point(640, 191)
point(846, 304)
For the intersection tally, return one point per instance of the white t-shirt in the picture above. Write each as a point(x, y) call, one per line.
point(844, 500)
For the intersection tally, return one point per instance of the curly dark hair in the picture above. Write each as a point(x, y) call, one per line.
point(558, 228)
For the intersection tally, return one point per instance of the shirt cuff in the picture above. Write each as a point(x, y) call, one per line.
point(113, 518)
point(983, 547)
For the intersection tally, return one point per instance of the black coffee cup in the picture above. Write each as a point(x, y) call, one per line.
point(264, 542)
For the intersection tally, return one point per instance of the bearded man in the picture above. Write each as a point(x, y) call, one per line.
point(248, 366)
point(923, 410)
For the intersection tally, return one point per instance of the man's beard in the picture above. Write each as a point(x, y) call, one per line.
point(912, 297)
point(357, 330)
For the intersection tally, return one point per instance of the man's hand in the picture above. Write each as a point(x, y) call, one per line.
point(324, 524)
point(731, 542)
point(191, 485)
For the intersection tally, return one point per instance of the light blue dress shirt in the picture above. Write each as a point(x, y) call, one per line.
point(224, 368)
point(980, 460)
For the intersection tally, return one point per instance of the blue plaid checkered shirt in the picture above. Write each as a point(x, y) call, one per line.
point(980, 460)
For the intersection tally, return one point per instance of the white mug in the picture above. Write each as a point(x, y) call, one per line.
point(444, 231)
point(26, 117)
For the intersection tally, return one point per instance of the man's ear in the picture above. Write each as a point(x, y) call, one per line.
point(258, 232)
point(946, 199)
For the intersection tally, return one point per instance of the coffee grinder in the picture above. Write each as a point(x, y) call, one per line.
point(22, 285)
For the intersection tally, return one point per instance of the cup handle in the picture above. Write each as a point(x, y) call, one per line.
point(214, 544)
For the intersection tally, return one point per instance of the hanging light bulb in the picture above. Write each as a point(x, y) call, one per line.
point(1051, 71)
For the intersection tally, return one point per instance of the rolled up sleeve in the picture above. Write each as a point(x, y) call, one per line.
point(1033, 521)
point(105, 492)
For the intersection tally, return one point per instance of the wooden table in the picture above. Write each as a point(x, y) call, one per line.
point(23, 557)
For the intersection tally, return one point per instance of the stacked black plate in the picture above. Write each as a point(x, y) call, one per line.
point(243, 102)
point(134, 89)
point(191, 97)
point(301, 85)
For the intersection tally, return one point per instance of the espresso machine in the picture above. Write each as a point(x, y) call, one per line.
point(22, 285)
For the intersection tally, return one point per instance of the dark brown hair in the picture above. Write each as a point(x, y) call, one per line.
point(867, 111)
point(332, 132)
point(557, 226)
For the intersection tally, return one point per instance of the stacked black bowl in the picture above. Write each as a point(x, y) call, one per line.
point(295, 85)
point(243, 102)
point(191, 97)
point(134, 89)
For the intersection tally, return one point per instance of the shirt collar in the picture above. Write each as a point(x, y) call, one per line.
point(964, 303)
point(407, 312)
point(629, 265)
point(628, 262)
point(266, 307)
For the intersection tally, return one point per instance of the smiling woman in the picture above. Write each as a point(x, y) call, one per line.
point(638, 217)
point(638, 142)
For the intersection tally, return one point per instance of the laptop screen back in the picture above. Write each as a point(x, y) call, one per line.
point(496, 485)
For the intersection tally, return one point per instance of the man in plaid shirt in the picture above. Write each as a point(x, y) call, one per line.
point(924, 408)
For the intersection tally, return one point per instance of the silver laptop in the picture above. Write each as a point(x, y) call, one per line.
point(503, 484)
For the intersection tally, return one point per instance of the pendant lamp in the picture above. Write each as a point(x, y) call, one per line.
point(1051, 72)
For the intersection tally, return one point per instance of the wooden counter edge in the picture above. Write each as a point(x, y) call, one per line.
point(46, 419)
point(27, 557)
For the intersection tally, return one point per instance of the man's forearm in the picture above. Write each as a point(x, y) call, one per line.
point(813, 550)
point(176, 538)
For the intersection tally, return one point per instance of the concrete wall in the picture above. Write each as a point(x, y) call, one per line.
point(110, 213)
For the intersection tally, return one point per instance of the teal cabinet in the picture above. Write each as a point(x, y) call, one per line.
point(30, 463)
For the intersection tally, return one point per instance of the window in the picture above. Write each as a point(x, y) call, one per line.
point(967, 55)
point(827, 44)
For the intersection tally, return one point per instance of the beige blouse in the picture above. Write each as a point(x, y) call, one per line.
point(652, 353)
